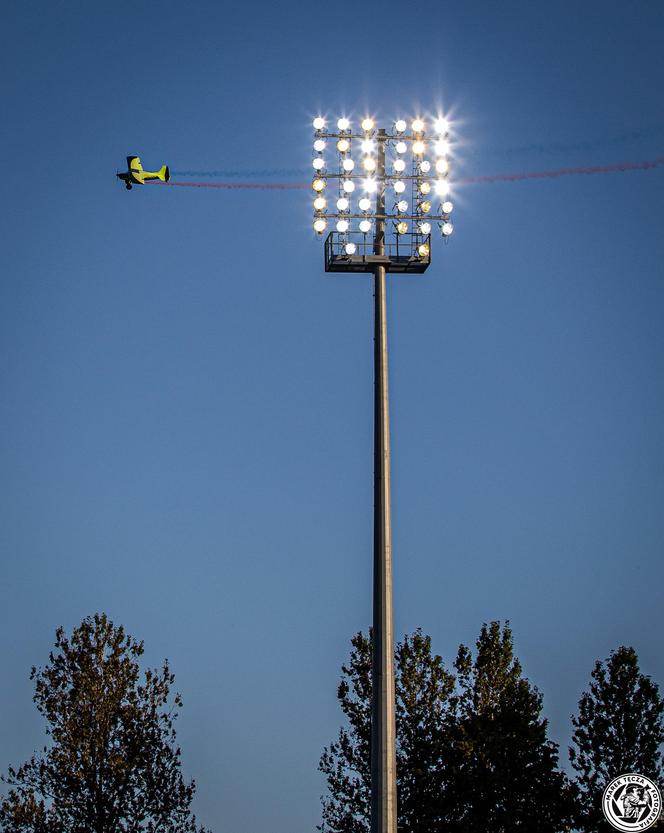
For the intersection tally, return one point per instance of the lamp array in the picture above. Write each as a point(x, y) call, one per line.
point(343, 189)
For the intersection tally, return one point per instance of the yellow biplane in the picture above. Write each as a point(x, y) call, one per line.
point(137, 176)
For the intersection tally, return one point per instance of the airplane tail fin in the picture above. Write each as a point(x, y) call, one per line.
point(164, 174)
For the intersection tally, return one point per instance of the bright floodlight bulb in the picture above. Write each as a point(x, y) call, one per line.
point(365, 204)
point(400, 125)
point(343, 145)
point(348, 186)
point(343, 124)
point(442, 187)
point(320, 203)
point(399, 186)
point(402, 206)
point(319, 225)
point(447, 229)
point(424, 206)
point(348, 164)
point(425, 228)
point(447, 207)
point(365, 226)
point(342, 204)
point(367, 125)
point(319, 123)
point(423, 250)
point(402, 227)
point(319, 145)
point(370, 185)
point(350, 248)
point(425, 166)
point(442, 166)
point(318, 184)
point(418, 126)
point(399, 165)
point(401, 147)
point(425, 187)
point(442, 147)
point(318, 163)
point(367, 146)
point(342, 226)
point(369, 164)
point(418, 148)
point(441, 126)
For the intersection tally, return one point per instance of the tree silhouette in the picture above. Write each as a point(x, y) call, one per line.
point(111, 765)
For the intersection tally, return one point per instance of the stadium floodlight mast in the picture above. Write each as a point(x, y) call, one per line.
point(410, 165)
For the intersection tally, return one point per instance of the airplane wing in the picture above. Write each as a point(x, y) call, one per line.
point(134, 164)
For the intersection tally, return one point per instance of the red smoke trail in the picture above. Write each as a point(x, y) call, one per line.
point(268, 186)
point(595, 169)
point(469, 180)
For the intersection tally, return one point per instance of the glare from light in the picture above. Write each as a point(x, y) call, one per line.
point(447, 229)
point(348, 164)
point(399, 186)
point(367, 125)
point(402, 227)
point(319, 145)
point(425, 187)
point(425, 166)
point(425, 228)
point(342, 226)
point(401, 147)
point(348, 186)
point(365, 226)
point(447, 207)
point(442, 147)
point(342, 204)
point(369, 164)
point(343, 145)
point(423, 250)
point(424, 206)
point(343, 124)
point(370, 185)
point(367, 146)
point(351, 248)
point(418, 126)
point(441, 126)
point(442, 166)
point(418, 148)
point(400, 125)
point(319, 123)
point(319, 225)
point(318, 184)
point(402, 206)
point(399, 165)
point(318, 163)
point(320, 203)
point(365, 204)
point(442, 187)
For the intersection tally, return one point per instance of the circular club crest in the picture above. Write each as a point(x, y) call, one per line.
point(631, 802)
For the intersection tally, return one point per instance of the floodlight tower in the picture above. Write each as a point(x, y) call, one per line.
point(365, 249)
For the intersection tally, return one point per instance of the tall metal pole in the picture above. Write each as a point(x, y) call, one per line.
point(383, 725)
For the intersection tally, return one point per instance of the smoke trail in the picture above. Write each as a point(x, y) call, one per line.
point(582, 171)
point(618, 167)
point(234, 174)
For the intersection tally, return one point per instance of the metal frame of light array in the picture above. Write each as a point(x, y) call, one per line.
point(345, 191)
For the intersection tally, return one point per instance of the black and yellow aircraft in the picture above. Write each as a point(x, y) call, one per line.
point(137, 176)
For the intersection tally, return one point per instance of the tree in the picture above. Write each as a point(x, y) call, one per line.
point(422, 688)
point(619, 729)
point(502, 771)
point(111, 765)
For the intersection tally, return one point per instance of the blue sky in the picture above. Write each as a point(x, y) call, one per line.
point(186, 407)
